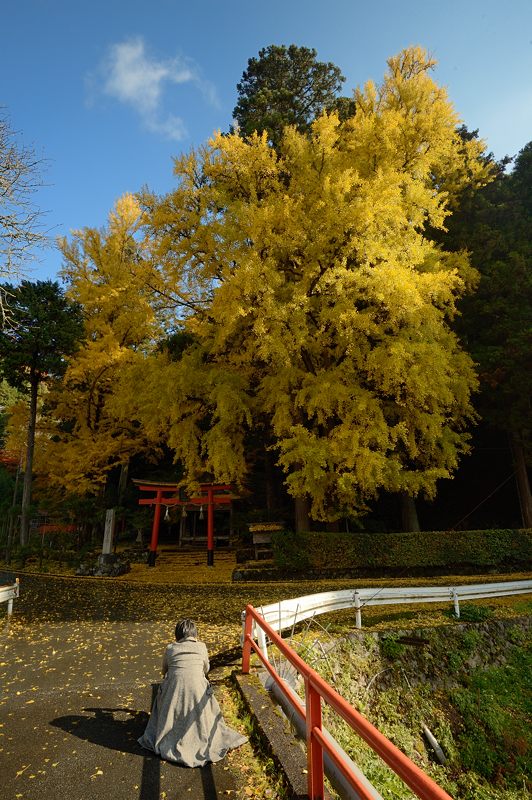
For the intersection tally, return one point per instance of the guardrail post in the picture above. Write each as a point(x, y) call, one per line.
point(263, 643)
point(314, 748)
point(456, 604)
point(246, 647)
point(358, 614)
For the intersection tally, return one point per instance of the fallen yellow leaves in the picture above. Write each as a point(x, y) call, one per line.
point(21, 771)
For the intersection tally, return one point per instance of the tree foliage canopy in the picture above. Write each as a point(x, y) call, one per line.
point(45, 328)
point(318, 306)
point(494, 224)
point(89, 433)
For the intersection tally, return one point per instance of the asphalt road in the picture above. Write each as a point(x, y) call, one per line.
point(74, 697)
point(77, 669)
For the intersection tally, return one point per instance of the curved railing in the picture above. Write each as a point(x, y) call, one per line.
point(8, 593)
point(272, 619)
point(316, 690)
point(287, 613)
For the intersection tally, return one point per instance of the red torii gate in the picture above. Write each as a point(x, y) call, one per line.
point(167, 494)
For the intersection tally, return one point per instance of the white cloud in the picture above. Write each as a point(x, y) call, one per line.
point(171, 127)
point(133, 77)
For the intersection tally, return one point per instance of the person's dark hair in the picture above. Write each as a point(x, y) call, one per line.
point(184, 629)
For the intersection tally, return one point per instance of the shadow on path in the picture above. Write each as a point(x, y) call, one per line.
point(119, 729)
point(227, 658)
point(114, 728)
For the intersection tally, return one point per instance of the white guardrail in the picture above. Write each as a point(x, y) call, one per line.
point(287, 613)
point(8, 593)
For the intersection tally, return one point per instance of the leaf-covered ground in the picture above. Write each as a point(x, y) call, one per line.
point(78, 661)
point(76, 696)
point(80, 656)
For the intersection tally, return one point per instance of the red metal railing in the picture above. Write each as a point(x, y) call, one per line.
point(317, 689)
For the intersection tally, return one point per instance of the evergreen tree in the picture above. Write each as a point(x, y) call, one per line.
point(45, 330)
point(286, 86)
point(494, 224)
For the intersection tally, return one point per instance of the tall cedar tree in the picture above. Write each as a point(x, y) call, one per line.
point(494, 223)
point(317, 300)
point(45, 330)
point(285, 86)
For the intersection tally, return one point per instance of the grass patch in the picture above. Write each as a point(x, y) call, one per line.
point(479, 712)
point(495, 706)
point(258, 772)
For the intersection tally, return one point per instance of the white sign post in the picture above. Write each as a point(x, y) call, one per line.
point(109, 531)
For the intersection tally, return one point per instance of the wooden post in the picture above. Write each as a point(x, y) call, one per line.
point(210, 526)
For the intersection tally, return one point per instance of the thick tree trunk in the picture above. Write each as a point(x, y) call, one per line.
point(13, 514)
point(26, 490)
point(271, 480)
point(523, 483)
point(122, 483)
point(302, 515)
point(410, 521)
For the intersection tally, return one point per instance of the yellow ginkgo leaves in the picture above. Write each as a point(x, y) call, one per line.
point(321, 305)
point(313, 307)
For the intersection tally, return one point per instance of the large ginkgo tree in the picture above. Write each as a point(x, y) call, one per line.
point(318, 306)
point(89, 432)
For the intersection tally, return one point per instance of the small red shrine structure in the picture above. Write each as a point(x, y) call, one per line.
point(167, 494)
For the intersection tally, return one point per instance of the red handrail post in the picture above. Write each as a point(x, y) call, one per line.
point(246, 647)
point(314, 748)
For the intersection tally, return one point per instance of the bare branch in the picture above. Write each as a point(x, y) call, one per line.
point(20, 230)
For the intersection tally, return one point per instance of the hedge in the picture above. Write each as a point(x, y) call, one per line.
point(398, 551)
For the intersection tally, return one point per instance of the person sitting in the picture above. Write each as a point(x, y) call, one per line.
point(186, 725)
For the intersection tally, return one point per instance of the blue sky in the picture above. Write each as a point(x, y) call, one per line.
point(107, 92)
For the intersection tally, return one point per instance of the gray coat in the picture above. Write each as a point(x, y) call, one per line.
point(186, 724)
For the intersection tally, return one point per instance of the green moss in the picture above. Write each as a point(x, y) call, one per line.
point(495, 707)
point(391, 648)
point(472, 613)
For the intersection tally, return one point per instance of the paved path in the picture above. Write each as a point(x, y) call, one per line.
point(74, 697)
point(76, 675)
